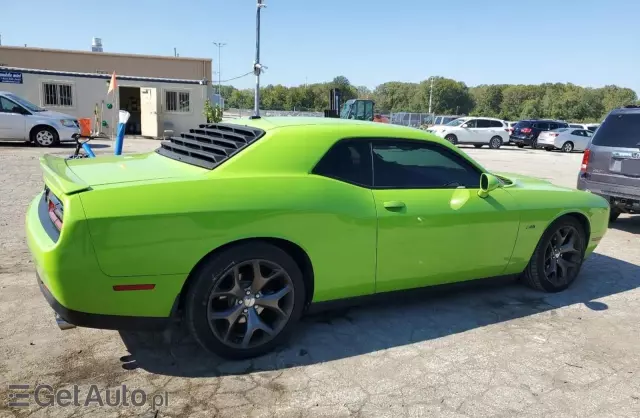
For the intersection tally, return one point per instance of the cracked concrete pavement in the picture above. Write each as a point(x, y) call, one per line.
point(499, 350)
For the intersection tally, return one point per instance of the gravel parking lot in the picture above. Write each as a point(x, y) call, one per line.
point(491, 352)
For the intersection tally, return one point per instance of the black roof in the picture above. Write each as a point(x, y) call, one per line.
point(209, 145)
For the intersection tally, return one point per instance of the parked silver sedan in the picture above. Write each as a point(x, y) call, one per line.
point(565, 139)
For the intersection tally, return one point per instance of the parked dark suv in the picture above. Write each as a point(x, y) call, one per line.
point(526, 132)
point(611, 162)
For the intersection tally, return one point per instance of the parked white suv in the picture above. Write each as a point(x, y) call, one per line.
point(24, 121)
point(475, 131)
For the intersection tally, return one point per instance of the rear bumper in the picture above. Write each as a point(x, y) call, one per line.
point(89, 320)
point(76, 288)
point(546, 144)
point(622, 197)
point(522, 141)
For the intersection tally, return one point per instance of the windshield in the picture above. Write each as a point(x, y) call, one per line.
point(346, 110)
point(30, 106)
point(456, 122)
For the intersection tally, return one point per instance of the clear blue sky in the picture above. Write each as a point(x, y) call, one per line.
point(586, 42)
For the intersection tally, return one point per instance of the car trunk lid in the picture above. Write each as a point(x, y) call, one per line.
point(73, 176)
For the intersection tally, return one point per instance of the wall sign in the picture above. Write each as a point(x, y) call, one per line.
point(11, 77)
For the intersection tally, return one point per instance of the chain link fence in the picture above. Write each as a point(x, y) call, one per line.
point(415, 120)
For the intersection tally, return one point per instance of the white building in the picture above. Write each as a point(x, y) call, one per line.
point(156, 104)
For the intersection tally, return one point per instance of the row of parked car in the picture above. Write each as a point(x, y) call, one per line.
point(535, 133)
point(611, 162)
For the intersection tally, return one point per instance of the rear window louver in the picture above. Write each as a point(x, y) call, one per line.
point(210, 144)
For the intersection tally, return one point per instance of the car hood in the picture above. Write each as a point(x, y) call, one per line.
point(106, 170)
point(520, 180)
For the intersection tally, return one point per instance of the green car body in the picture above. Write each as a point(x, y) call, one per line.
point(149, 220)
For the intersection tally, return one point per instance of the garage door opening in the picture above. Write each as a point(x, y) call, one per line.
point(130, 101)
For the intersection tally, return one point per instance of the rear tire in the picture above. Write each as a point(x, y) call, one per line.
point(558, 257)
point(567, 146)
point(614, 214)
point(520, 145)
point(452, 138)
point(495, 142)
point(228, 299)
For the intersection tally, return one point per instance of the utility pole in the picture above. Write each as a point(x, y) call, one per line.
point(257, 67)
point(430, 94)
point(219, 45)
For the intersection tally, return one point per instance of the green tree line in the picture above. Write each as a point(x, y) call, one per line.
point(563, 101)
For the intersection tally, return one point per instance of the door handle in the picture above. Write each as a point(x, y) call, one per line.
point(394, 204)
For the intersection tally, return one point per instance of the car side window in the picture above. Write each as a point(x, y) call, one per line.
point(348, 161)
point(7, 106)
point(553, 126)
point(542, 126)
point(483, 123)
point(578, 132)
point(417, 165)
point(472, 123)
point(496, 124)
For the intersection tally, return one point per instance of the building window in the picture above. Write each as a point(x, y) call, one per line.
point(57, 94)
point(177, 101)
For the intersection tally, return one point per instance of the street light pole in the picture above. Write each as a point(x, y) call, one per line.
point(219, 45)
point(257, 67)
point(430, 94)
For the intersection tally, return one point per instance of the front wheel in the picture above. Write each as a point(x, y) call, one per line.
point(520, 145)
point(45, 136)
point(451, 138)
point(245, 301)
point(557, 259)
point(495, 142)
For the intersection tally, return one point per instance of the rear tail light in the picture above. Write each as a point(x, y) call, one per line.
point(54, 207)
point(585, 160)
point(55, 215)
point(525, 130)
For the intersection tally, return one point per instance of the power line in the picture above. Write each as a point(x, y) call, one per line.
point(235, 78)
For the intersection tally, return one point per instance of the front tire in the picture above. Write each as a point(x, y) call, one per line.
point(557, 259)
point(245, 301)
point(45, 136)
point(451, 138)
point(520, 145)
point(495, 142)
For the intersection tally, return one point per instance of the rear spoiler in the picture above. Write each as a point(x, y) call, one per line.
point(59, 177)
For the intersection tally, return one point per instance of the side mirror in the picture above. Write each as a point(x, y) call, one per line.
point(464, 125)
point(488, 183)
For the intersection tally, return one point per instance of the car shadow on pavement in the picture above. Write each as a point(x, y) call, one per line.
point(403, 321)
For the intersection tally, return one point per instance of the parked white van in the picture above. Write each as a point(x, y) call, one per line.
point(21, 120)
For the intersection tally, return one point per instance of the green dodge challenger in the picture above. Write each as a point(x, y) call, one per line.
point(239, 228)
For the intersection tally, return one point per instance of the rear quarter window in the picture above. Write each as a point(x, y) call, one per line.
point(619, 131)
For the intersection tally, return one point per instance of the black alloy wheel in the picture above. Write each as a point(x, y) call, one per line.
point(245, 301)
point(557, 259)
